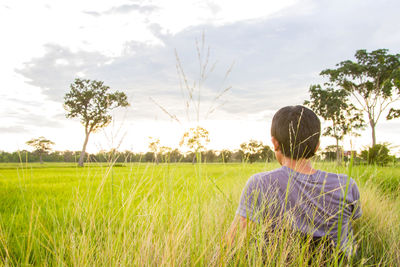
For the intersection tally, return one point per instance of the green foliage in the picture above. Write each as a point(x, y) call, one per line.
point(332, 105)
point(393, 113)
point(165, 154)
point(196, 139)
point(377, 154)
point(90, 101)
point(330, 152)
point(154, 146)
point(253, 151)
point(373, 80)
point(41, 146)
point(225, 155)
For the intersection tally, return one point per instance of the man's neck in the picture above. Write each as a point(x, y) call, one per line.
point(302, 165)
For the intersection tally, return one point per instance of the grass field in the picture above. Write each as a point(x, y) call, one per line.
point(167, 214)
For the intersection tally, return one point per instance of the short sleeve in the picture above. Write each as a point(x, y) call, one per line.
point(250, 200)
point(356, 204)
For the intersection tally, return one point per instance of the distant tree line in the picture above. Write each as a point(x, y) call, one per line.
point(210, 156)
point(250, 152)
point(27, 156)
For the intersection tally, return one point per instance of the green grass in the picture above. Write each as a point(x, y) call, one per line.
point(167, 214)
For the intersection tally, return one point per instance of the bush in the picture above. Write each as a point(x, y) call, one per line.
point(377, 154)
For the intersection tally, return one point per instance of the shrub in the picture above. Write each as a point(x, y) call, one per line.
point(377, 154)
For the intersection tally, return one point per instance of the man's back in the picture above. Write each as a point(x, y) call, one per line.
point(314, 203)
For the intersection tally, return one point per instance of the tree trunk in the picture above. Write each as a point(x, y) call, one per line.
point(372, 123)
point(83, 152)
point(338, 153)
point(41, 158)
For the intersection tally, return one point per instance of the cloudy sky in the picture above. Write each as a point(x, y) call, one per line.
point(267, 52)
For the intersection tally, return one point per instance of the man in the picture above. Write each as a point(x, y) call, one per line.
point(315, 204)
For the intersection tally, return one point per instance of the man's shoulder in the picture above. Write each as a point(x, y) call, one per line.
point(342, 181)
point(263, 179)
point(268, 174)
point(341, 178)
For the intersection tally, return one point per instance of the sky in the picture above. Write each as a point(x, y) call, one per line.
point(265, 53)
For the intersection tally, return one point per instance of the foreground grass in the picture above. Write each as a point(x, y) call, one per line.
point(167, 214)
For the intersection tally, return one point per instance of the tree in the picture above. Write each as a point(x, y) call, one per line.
point(90, 101)
point(41, 146)
point(165, 153)
point(267, 154)
point(373, 81)
point(175, 156)
point(330, 152)
point(332, 105)
point(378, 154)
point(209, 156)
point(196, 140)
point(225, 155)
point(252, 150)
point(154, 146)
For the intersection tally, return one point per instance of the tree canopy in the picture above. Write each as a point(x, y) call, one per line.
point(41, 146)
point(373, 81)
point(91, 102)
point(378, 154)
point(154, 146)
point(333, 106)
point(254, 150)
point(196, 139)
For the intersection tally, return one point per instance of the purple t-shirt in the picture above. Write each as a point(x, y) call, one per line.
point(314, 203)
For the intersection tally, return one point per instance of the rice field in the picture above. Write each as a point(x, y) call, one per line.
point(168, 215)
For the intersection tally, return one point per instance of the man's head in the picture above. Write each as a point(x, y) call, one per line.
point(296, 130)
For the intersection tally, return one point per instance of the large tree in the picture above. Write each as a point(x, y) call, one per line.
point(41, 146)
point(373, 81)
point(333, 106)
point(91, 102)
point(196, 139)
point(255, 150)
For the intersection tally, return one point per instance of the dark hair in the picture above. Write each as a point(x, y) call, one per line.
point(297, 130)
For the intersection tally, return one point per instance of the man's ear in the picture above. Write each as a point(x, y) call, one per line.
point(316, 148)
point(275, 143)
